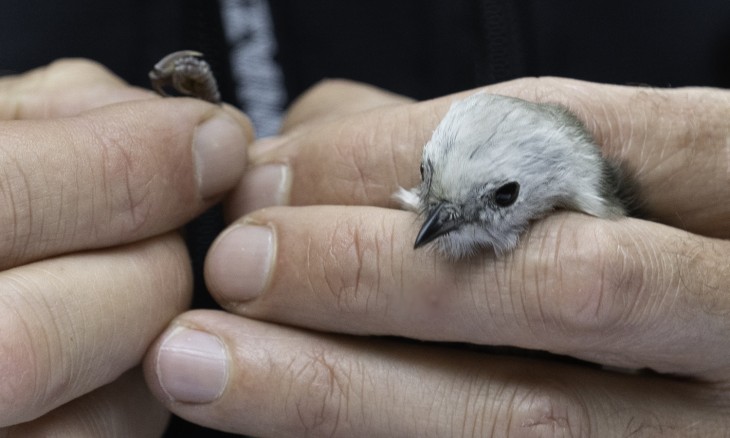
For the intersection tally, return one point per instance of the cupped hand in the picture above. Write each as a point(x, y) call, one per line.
point(95, 177)
point(305, 284)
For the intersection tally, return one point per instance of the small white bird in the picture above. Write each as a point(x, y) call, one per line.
point(495, 163)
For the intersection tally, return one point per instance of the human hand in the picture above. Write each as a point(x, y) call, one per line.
point(96, 176)
point(627, 293)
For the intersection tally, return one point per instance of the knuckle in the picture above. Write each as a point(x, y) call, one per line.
point(326, 85)
point(538, 89)
point(322, 401)
point(17, 203)
point(357, 163)
point(356, 253)
point(545, 412)
point(600, 280)
point(17, 384)
point(350, 164)
point(26, 354)
point(316, 102)
point(83, 67)
point(127, 187)
point(341, 261)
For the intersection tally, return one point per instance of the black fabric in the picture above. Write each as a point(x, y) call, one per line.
point(419, 48)
point(659, 43)
point(127, 35)
point(427, 48)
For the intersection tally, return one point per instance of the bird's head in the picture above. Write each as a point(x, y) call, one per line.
point(495, 163)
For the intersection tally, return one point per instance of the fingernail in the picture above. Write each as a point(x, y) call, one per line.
point(192, 366)
point(240, 262)
point(264, 186)
point(219, 151)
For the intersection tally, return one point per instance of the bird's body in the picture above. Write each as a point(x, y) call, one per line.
point(495, 163)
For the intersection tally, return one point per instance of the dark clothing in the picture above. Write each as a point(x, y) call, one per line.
point(420, 48)
point(426, 48)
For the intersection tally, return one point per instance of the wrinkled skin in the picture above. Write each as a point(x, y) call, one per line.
point(293, 355)
point(95, 179)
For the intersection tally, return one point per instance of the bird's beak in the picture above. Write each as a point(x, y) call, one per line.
point(437, 224)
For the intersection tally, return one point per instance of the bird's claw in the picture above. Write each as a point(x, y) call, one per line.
point(187, 73)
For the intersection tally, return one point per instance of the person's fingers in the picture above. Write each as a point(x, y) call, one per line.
point(673, 141)
point(270, 181)
point(626, 293)
point(75, 323)
point(114, 174)
point(123, 408)
point(63, 88)
point(335, 98)
point(258, 379)
point(319, 163)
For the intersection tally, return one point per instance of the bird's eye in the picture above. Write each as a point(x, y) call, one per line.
point(421, 171)
point(507, 194)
